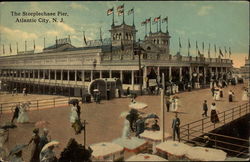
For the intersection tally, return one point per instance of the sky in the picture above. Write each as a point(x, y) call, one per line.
point(220, 23)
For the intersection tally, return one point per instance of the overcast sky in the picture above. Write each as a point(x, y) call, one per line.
point(225, 24)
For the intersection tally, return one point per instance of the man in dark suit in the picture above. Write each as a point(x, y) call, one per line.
point(176, 127)
point(205, 108)
point(16, 113)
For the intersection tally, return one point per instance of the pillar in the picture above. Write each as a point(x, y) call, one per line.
point(170, 73)
point(190, 73)
point(55, 76)
point(216, 72)
point(198, 76)
point(34, 74)
point(144, 77)
point(205, 74)
point(75, 75)
point(83, 75)
point(121, 76)
point(158, 70)
point(49, 74)
point(100, 74)
point(133, 78)
point(91, 75)
point(61, 75)
point(38, 74)
point(180, 73)
point(110, 73)
point(68, 75)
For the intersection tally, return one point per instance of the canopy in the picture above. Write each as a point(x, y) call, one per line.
point(205, 154)
point(145, 157)
point(132, 144)
point(173, 147)
point(138, 105)
point(154, 135)
point(105, 148)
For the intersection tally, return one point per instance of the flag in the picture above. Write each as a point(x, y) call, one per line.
point(110, 11)
point(225, 50)
point(85, 41)
point(229, 51)
point(179, 42)
point(148, 20)
point(34, 44)
point(221, 52)
point(199, 53)
point(16, 47)
point(3, 49)
point(120, 7)
point(215, 48)
point(156, 19)
point(196, 45)
point(120, 12)
point(208, 50)
point(101, 34)
point(10, 49)
point(131, 11)
point(203, 46)
point(143, 23)
point(165, 20)
point(189, 45)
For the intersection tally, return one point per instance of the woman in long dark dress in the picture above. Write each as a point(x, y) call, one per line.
point(35, 151)
point(214, 116)
point(230, 97)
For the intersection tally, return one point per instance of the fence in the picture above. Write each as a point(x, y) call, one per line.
point(37, 104)
point(195, 129)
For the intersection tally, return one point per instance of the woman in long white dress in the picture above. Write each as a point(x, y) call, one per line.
point(23, 114)
point(73, 115)
point(126, 129)
point(174, 104)
point(244, 96)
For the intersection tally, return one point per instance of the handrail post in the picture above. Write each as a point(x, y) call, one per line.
point(37, 104)
point(54, 102)
point(202, 125)
point(188, 131)
point(232, 114)
point(224, 114)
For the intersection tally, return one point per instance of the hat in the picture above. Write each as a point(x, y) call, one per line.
point(36, 130)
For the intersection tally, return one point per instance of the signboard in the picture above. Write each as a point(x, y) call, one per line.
point(152, 82)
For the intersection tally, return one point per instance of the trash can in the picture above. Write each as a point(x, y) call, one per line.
point(86, 98)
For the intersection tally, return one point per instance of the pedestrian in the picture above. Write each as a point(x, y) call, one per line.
point(244, 95)
point(176, 127)
point(35, 151)
point(205, 108)
point(214, 117)
point(15, 114)
point(78, 109)
point(24, 89)
point(168, 103)
point(23, 114)
point(44, 138)
point(212, 90)
point(189, 87)
point(230, 96)
point(221, 92)
point(140, 126)
point(126, 129)
point(128, 91)
point(155, 126)
point(74, 118)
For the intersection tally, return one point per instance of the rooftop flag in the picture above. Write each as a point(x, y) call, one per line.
point(131, 11)
point(148, 20)
point(221, 52)
point(189, 45)
point(196, 45)
point(110, 11)
point(156, 19)
point(120, 12)
point(165, 20)
point(179, 42)
point(121, 7)
point(10, 49)
point(143, 23)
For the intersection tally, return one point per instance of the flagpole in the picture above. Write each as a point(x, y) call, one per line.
point(44, 42)
point(16, 47)
point(157, 27)
point(160, 23)
point(82, 38)
point(133, 17)
point(34, 45)
point(150, 25)
point(113, 19)
point(188, 47)
point(146, 24)
point(25, 46)
point(123, 22)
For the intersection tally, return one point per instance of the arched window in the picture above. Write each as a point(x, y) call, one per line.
point(120, 36)
point(154, 41)
point(148, 48)
point(126, 36)
point(157, 41)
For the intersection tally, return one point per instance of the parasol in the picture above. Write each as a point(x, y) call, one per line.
point(73, 101)
point(41, 124)
point(138, 105)
point(146, 157)
point(205, 154)
point(151, 116)
point(52, 143)
point(105, 148)
point(17, 148)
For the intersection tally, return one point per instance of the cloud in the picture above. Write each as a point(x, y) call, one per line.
point(66, 27)
point(204, 10)
point(238, 59)
point(52, 33)
point(78, 6)
point(17, 33)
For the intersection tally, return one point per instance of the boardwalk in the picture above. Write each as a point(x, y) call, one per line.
point(105, 123)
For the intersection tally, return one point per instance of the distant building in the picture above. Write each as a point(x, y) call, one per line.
point(65, 69)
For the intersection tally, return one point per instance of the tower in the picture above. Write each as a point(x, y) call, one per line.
point(123, 35)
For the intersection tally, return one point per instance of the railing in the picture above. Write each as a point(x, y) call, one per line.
point(36, 104)
point(203, 126)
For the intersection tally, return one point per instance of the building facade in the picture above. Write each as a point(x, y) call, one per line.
point(65, 69)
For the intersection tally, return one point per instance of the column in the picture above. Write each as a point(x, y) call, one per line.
point(100, 74)
point(38, 74)
point(211, 71)
point(170, 73)
point(216, 72)
point(198, 76)
point(75, 75)
point(158, 70)
point(91, 75)
point(205, 74)
point(180, 73)
point(55, 75)
point(190, 73)
point(83, 75)
point(34, 74)
point(132, 80)
point(24, 74)
point(68, 75)
point(61, 75)
point(144, 77)
point(49, 74)
point(110, 73)
point(43, 73)
point(29, 73)
point(121, 76)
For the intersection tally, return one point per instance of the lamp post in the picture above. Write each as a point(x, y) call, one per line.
point(138, 51)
